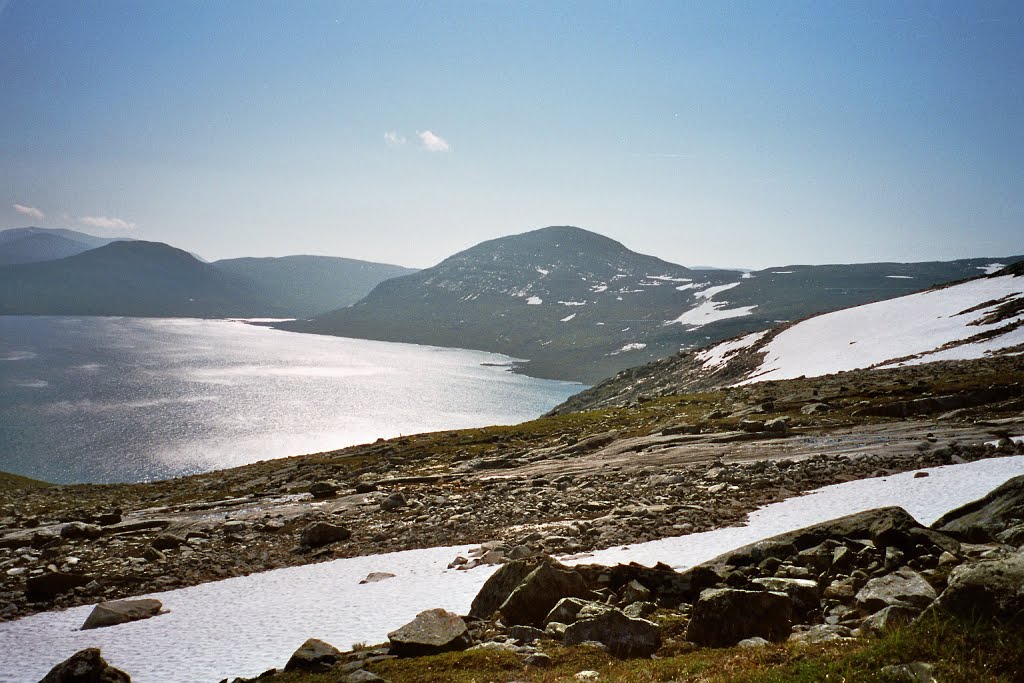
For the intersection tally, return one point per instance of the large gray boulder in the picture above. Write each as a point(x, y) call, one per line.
point(313, 655)
point(85, 666)
point(987, 589)
point(117, 612)
point(431, 632)
point(725, 616)
point(805, 593)
point(498, 587)
point(624, 637)
point(902, 587)
point(540, 591)
point(980, 520)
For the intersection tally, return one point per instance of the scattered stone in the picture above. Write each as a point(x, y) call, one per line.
point(323, 489)
point(320, 534)
point(85, 666)
point(117, 612)
point(168, 542)
point(151, 554)
point(756, 641)
point(915, 672)
point(363, 676)
point(888, 618)
point(374, 577)
point(539, 659)
point(431, 632)
point(986, 589)
point(393, 502)
point(76, 530)
point(587, 675)
point(313, 655)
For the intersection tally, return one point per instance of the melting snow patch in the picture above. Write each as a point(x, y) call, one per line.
point(782, 272)
point(711, 291)
point(900, 277)
point(635, 346)
point(992, 268)
point(875, 333)
point(246, 625)
point(718, 354)
point(597, 289)
point(568, 318)
point(692, 285)
point(709, 312)
point(668, 278)
point(746, 276)
point(542, 271)
point(573, 303)
point(534, 301)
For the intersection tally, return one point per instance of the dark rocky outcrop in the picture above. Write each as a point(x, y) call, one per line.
point(431, 632)
point(498, 587)
point(85, 666)
point(117, 612)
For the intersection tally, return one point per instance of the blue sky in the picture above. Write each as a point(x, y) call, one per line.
point(726, 133)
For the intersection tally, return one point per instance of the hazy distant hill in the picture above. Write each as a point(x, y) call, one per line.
point(308, 285)
point(32, 245)
point(133, 278)
point(581, 306)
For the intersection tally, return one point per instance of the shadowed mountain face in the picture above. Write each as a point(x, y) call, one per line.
point(129, 278)
point(308, 285)
point(32, 245)
point(581, 306)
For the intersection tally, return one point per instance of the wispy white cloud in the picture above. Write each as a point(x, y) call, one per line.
point(432, 142)
point(30, 211)
point(393, 139)
point(107, 223)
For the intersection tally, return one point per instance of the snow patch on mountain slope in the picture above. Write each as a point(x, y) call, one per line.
point(535, 301)
point(992, 268)
point(709, 312)
point(717, 355)
point(711, 291)
point(868, 335)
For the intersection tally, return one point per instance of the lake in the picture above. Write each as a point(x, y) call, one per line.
point(136, 399)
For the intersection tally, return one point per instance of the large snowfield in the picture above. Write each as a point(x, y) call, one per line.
point(243, 626)
point(868, 335)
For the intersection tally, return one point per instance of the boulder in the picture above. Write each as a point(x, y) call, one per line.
point(981, 520)
point(623, 636)
point(634, 592)
point(915, 672)
point(888, 618)
point(805, 593)
point(117, 612)
point(725, 616)
point(986, 589)
point(168, 541)
point(393, 502)
point(45, 587)
point(85, 666)
point(498, 587)
point(320, 534)
point(565, 610)
point(540, 591)
point(76, 530)
point(431, 632)
point(313, 655)
point(902, 587)
point(374, 577)
point(323, 489)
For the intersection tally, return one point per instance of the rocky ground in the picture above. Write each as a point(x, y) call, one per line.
point(563, 484)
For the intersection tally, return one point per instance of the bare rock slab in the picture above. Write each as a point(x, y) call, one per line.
point(431, 632)
point(121, 612)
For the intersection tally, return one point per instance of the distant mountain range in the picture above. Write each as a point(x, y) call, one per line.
point(307, 285)
point(580, 306)
point(32, 245)
point(967, 320)
point(64, 272)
